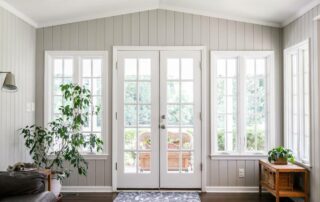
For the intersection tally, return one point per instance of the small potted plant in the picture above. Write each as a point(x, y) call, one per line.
point(280, 156)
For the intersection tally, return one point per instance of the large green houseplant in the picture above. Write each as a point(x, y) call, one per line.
point(62, 141)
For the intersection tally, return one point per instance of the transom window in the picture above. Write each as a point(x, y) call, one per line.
point(241, 103)
point(80, 67)
point(297, 101)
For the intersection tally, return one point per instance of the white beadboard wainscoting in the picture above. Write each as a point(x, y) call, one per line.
point(299, 30)
point(17, 54)
point(162, 28)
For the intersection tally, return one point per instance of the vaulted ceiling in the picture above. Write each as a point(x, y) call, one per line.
point(267, 12)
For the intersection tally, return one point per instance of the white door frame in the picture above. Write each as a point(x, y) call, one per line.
point(204, 97)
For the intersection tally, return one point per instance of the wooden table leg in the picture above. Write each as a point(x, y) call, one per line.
point(260, 178)
point(277, 187)
point(49, 182)
point(306, 186)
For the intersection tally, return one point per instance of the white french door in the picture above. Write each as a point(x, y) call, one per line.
point(158, 117)
point(180, 126)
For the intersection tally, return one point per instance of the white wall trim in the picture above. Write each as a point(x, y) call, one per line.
point(238, 157)
point(219, 15)
point(300, 12)
point(30, 21)
point(97, 16)
point(18, 13)
point(232, 189)
point(69, 189)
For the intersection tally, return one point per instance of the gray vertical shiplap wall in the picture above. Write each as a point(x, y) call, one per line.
point(163, 28)
point(305, 27)
point(17, 54)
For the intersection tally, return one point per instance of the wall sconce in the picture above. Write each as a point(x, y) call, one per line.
point(9, 83)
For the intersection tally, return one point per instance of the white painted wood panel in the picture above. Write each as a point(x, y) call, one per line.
point(161, 27)
point(17, 54)
point(297, 31)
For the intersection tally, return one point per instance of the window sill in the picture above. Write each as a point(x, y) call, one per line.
point(88, 156)
point(238, 156)
point(304, 165)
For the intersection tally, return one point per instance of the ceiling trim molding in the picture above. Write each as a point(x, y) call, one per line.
point(301, 12)
point(18, 13)
point(97, 16)
point(219, 15)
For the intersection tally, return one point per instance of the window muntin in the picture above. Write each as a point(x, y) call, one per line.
point(227, 103)
point(255, 103)
point(297, 101)
point(240, 104)
point(84, 68)
point(91, 78)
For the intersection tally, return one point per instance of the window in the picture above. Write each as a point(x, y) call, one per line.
point(84, 68)
point(241, 102)
point(297, 101)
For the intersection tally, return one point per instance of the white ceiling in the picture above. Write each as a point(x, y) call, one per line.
point(52, 12)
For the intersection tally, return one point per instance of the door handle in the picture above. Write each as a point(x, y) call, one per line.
point(163, 126)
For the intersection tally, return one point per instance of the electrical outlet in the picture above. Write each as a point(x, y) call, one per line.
point(29, 107)
point(241, 172)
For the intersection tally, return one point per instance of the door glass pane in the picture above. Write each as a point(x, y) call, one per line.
point(144, 69)
point(173, 162)
point(187, 115)
point(137, 115)
point(187, 138)
point(144, 138)
point(180, 115)
point(145, 92)
point(173, 69)
point(187, 92)
point(186, 68)
point(173, 115)
point(130, 89)
point(130, 69)
point(173, 138)
point(173, 95)
point(130, 162)
point(144, 162)
point(130, 141)
point(144, 115)
point(187, 162)
point(130, 115)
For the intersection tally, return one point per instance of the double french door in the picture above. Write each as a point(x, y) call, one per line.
point(159, 124)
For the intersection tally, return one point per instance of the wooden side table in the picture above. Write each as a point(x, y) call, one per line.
point(46, 172)
point(278, 180)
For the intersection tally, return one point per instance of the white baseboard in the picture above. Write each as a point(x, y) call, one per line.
point(232, 189)
point(210, 189)
point(86, 189)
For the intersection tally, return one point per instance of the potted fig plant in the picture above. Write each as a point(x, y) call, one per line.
point(280, 156)
point(62, 141)
point(94, 143)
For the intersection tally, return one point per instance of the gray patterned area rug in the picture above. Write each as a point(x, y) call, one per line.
point(158, 197)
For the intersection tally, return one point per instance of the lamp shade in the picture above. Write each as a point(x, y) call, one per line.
point(9, 82)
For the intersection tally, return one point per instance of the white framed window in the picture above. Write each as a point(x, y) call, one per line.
point(297, 99)
point(87, 68)
point(242, 102)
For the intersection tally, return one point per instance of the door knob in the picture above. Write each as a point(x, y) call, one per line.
point(162, 126)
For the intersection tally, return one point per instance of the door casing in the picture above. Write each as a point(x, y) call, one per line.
point(204, 102)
